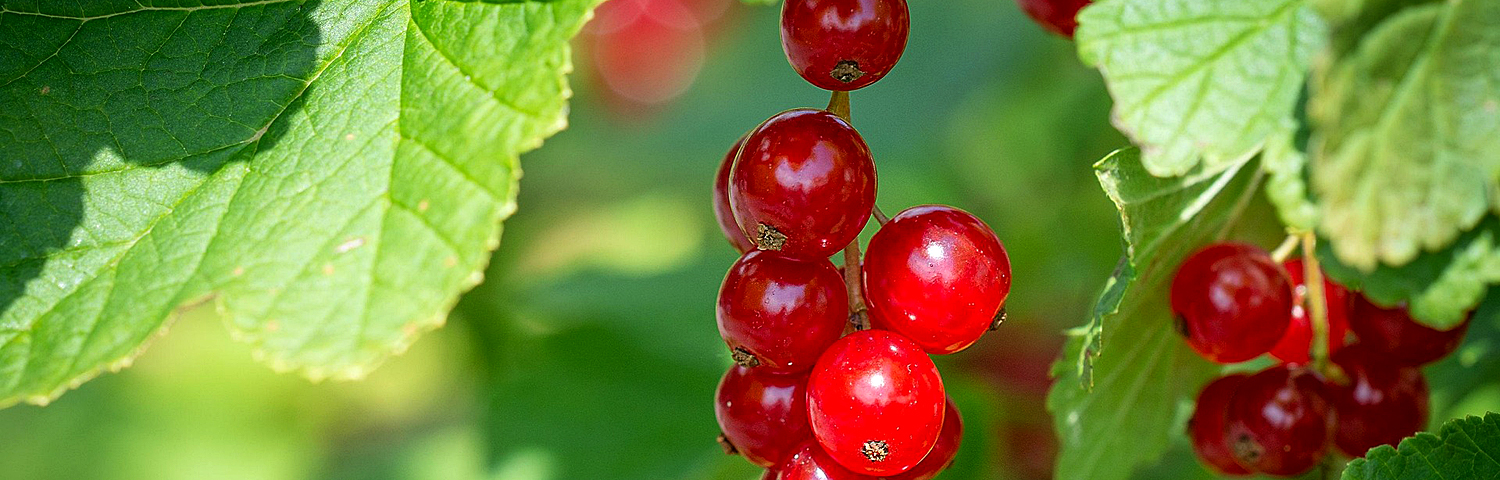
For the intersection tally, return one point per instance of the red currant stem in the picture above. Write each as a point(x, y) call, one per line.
point(838, 104)
point(1317, 303)
point(879, 215)
point(858, 318)
point(1286, 248)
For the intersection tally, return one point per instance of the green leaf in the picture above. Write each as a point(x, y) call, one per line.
point(330, 174)
point(1406, 144)
point(1439, 288)
point(1125, 377)
point(1465, 449)
point(1200, 79)
point(1287, 186)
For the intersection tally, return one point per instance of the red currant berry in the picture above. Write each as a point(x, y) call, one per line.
point(1279, 422)
point(810, 462)
point(780, 313)
point(763, 415)
point(1393, 332)
point(938, 276)
point(803, 185)
point(875, 402)
point(1232, 302)
point(1058, 16)
point(843, 44)
point(941, 456)
point(1206, 427)
point(1297, 342)
point(1383, 403)
point(722, 212)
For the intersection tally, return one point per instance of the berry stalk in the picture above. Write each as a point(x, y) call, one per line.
point(1317, 303)
point(859, 319)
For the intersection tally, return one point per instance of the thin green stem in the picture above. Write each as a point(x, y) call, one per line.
point(1317, 303)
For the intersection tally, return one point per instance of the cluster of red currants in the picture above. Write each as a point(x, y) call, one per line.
point(1233, 303)
point(832, 378)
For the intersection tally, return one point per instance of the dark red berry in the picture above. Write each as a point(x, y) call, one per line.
point(1279, 422)
point(1206, 427)
point(1297, 341)
point(843, 44)
point(941, 456)
point(722, 212)
point(780, 313)
point(938, 276)
point(810, 462)
point(1232, 302)
point(761, 414)
point(803, 185)
point(1383, 402)
point(875, 402)
point(1393, 332)
point(1057, 16)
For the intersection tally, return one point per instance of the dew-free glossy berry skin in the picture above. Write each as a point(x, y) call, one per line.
point(803, 185)
point(869, 375)
point(810, 462)
point(1383, 402)
point(843, 44)
point(941, 456)
point(1232, 302)
point(1057, 16)
point(1206, 427)
point(722, 213)
point(762, 414)
point(1393, 332)
point(779, 313)
point(937, 275)
point(1279, 422)
point(1296, 343)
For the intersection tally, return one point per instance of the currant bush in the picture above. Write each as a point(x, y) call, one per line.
point(797, 189)
point(810, 462)
point(722, 213)
point(780, 313)
point(1057, 16)
point(1279, 422)
point(843, 44)
point(1232, 302)
point(874, 374)
point(803, 185)
point(941, 456)
point(1297, 341)
point(1394, 333)
point(763, 416)
point(1382, 403)
point(1207, 425)
point(938, 276)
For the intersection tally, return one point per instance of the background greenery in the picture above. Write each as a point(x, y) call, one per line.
point(590, 351)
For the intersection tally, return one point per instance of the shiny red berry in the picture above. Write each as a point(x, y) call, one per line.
point(1296, 343)
point(1279, 422)
point(1383, 402)
point(1394, 333)
point(721, 202)
point(810, 462)
point(938, 276)
point(762, 415)
point(941, 456)
point(1232, 302)
point(875, 402)
point(803, 185)
point(843, 44)
point(779, 313)
point(1206, 427)
point(1057, 16)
